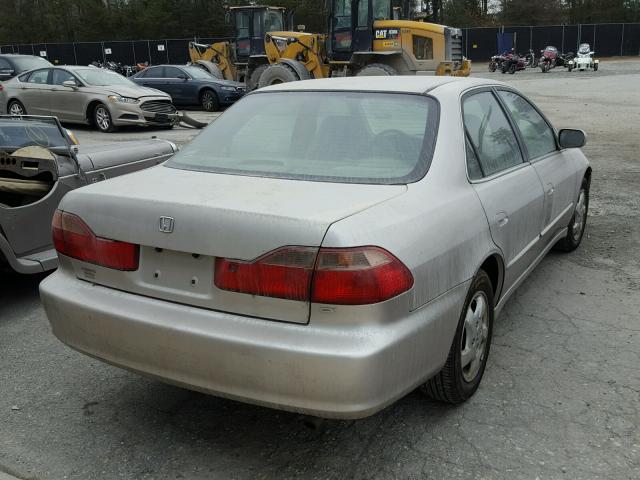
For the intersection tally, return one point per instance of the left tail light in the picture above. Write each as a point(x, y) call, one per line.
point(73, 238)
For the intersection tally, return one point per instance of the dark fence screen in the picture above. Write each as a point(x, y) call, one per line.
point(606, 39)
point(126, 52)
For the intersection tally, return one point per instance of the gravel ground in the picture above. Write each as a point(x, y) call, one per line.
point(560, 398)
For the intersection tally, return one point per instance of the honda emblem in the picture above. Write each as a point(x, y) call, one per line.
point(166, 224)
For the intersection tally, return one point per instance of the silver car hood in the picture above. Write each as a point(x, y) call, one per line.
point(134, 91)
point(219, 215)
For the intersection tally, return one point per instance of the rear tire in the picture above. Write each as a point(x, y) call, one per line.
point(16, 108)
point(254, 79)
point(461, 375)
point(377, 70)
point(276, 74)
point(209, 100)
point(102, 119)
point(578, 223)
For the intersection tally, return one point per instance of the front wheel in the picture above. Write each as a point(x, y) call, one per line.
point(578, 223)
point(512, 68)
point(493, 66)
point(102, 119)
point(461, 375)
point(209, 100)
point(254, 79)
point(276, 74)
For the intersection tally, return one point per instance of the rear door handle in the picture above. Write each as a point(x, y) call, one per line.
point(502, 219)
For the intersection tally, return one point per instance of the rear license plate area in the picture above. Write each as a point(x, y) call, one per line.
point(180, 273)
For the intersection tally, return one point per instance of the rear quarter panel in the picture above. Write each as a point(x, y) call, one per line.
point(438, 228)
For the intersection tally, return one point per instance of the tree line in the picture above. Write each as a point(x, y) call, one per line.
point(35, 21)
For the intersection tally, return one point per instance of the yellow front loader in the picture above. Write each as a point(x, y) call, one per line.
point(366, 37)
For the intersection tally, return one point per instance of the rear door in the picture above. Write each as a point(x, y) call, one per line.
point(34, 92)
point(153, 77)
point(554, 167)
point(508, 186)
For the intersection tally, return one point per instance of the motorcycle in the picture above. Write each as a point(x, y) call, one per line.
point(513, 63)
point(496, 62)
point(584, 60)
point(530, 59)
point(548, 59)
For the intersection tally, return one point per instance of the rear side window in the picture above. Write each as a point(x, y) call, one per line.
point(172, 72)
point(39, 77)
point(536, 133)
point(492, 138)
point(345, 137)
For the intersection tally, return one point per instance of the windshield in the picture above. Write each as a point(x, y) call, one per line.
point(18, 132)
point(347, 137)
point(199, 74)
point(584, 48)
point(99, 77)
point(551, 49)
point(30, 63)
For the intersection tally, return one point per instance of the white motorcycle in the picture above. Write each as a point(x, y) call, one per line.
point(584, 60)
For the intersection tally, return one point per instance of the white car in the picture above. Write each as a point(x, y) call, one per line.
point(325, 246)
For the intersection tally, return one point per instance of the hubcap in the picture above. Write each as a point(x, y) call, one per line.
point(579, 216)
point(16, 109)
point(474, 336)
point(103, 119)
point(207, 101)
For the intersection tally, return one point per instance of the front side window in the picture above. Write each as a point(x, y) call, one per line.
point(381, 9)
point(423, 47)
point(345, 137)
point(243, 44)
point(173, 72)
point(39, 76)
point(363, 14)
point(537, 135)
point(61, 76)
point(492, 138)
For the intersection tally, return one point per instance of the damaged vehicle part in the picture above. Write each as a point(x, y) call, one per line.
point(39, 164)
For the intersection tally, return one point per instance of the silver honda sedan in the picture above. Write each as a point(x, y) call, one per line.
point(86, 95)
point(325, 246)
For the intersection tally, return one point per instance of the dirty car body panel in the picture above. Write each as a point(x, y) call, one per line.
point(25, 213)
point(380, 187)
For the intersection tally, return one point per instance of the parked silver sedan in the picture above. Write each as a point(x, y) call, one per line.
point(325, 246)
point(86, 95)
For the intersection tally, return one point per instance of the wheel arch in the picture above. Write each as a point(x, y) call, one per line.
point(587, 175)
point(493, 266)
point(90, 108)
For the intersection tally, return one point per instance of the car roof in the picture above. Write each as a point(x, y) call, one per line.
point(400, 84)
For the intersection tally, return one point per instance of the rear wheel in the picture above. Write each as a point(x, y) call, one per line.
point(377, 70)
point(102, 119)
point(460, 377)
point(578, 223)
point(209, 100)
point(276, 74)
point(254, 79)
point(16, 108)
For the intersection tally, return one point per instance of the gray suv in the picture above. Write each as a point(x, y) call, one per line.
point(13, 64)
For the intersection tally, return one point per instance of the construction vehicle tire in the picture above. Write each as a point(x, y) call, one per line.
point(254, 79)
point(278, 73)
point(376, 70)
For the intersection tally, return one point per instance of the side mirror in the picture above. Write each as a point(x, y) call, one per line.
point(570, 138)
point(70, 84)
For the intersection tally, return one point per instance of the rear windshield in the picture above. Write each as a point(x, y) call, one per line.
point(347, 137)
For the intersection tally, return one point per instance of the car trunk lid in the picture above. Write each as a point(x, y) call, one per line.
point(183, 220)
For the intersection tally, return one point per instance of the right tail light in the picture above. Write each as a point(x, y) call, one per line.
point(340, 276)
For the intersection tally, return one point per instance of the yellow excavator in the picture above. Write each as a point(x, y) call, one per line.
point(239, 58)
point(366, 37)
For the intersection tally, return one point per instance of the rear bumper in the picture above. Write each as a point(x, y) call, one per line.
point(328, 371)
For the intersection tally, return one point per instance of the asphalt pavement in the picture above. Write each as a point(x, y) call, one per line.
point(560, 398)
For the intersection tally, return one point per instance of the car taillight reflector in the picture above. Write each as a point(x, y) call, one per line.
point(283, 273)
point(73, 238)
point(341, 276)
point(358, 276)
